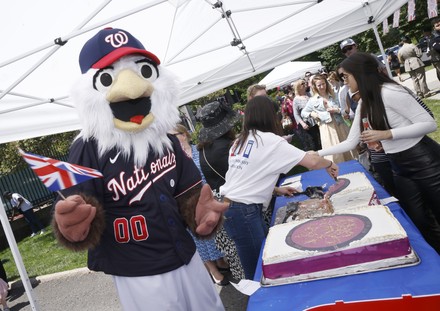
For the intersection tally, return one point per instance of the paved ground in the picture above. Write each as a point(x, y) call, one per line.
point(82, 290)
point(431, 79)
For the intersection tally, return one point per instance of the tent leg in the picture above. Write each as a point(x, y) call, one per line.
point(17, 257)
point(384, 57)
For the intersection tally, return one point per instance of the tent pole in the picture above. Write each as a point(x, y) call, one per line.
point(17, 257)
point(384, 57)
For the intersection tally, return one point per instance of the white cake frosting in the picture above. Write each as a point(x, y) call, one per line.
point(360, 192)
point(384, 229)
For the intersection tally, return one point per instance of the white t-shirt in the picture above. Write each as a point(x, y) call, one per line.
point(15, 202)
point(252, 174)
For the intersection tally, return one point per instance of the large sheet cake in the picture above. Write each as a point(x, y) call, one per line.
point(354, 241)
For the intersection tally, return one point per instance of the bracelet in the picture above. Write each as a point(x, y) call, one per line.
point(331, 163)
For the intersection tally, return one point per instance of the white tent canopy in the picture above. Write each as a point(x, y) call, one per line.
point(208, 45)
point(289, 72)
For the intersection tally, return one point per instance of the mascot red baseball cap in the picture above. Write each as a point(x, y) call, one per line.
point(107, 46)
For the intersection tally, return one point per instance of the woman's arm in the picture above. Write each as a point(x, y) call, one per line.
point(352, 140)
point(297, 115)
point(313, 162)
point(406, 116)
point(305, 113)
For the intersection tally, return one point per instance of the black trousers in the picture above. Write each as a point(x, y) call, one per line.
point(3, 275)
point(417, 182)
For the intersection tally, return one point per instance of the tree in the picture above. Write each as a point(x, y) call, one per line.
point(51, 146)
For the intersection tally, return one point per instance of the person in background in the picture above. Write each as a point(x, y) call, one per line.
point(287, 115)
point(307, 79)
point(260, 90)
point(257, 158)
point(423, 44)
point(308, 130)
point(400, 123)
point(409, 55)
point(212, 258)
point(215, 139)
point(256, 90)
point(434, 45)
point(394, 63)
point(22, 205)
point(335, 82)
point(4, 294)
point(324, 108)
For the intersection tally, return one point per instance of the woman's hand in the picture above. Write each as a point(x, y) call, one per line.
point(333, 170)
point(314, 115)
point(370, 136)
point(333, 110)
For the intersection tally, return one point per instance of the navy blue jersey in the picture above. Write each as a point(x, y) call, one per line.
point(144, 234)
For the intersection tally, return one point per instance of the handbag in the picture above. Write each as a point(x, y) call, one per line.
point(287, 123)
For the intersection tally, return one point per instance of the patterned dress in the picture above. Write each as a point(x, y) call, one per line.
point(206, 248)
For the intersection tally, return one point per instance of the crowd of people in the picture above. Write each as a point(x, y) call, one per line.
point(324, 112)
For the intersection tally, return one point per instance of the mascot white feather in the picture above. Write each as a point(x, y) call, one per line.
point(133, 221)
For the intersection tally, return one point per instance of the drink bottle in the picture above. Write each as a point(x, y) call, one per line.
point(373, 145)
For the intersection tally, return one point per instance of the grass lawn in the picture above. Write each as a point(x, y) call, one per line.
point(434, 105)
point(42, 255)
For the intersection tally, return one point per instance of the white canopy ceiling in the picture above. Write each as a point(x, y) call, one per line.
point(289, 72)
point(191, 37)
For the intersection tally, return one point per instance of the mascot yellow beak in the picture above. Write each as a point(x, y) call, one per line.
point(129, 99)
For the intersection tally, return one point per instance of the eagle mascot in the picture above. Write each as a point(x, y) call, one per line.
point(134, 220)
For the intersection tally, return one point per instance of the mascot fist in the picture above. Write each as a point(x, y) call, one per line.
point(76, 222)
point(74, 217)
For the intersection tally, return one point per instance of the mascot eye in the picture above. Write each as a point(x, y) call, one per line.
point(103, 79)
point(148, 71)
point(106, 79)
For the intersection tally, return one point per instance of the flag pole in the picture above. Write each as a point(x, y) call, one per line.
point(61, 195)
point(17, 257)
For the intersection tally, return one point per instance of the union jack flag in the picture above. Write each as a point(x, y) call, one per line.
point(58, 175)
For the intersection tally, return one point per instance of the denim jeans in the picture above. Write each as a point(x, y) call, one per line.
point(32, 220)
point(245, 226)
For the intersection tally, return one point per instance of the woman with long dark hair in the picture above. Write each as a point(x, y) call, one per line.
point(256, 159)
point(400, 123)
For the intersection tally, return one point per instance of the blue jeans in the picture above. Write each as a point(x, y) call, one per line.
point(246, 227)
point(32, 220)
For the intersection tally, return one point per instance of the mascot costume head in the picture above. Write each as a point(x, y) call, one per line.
point(124, 97)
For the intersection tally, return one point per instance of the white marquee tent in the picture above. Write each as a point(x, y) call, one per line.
point(289, 72)
point(208, 45)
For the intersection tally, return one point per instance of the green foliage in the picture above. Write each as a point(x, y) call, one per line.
point(434, 105)
point(42, 255)
point(12, 161)
point(413, 29)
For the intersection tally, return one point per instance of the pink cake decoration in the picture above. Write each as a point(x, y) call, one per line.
point(338, 186)
point(328, 233)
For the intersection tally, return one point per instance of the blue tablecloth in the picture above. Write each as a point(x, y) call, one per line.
point(421, 279)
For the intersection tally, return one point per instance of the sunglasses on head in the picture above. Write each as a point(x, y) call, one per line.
point(346, 49)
